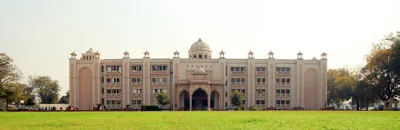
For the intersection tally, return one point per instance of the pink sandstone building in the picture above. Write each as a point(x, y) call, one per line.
point(198, 82)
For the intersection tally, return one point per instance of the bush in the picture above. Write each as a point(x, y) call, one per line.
point(150, 108)
point(298, 108)
point(254, 108)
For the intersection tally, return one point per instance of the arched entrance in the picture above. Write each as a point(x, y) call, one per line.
point(214, 100)
point(184, 103)
point(199, 100)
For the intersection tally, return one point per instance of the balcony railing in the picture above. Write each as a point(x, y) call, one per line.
point(114, 94)
point(238, 83)
point(261, 72)
point(261, 83)
point(136, 72)
point(136, 83)
point(112, 83)
point(282, 84)
point(260, 94)
point(159, 83)
point(283, 94)
point(112, 71)
point(137, 94)
point(159, 72)
point(283, 72)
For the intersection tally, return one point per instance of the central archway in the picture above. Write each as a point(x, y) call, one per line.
point(184, 100)
point(199, 100)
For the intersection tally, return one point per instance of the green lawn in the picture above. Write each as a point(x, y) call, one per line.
point(201, 120)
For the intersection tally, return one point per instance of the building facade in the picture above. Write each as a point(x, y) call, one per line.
point(198, 82)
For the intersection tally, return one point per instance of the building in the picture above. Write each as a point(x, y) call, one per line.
point(194, 82)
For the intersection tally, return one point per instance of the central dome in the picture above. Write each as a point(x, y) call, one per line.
point(200, 45)
point(200, 50)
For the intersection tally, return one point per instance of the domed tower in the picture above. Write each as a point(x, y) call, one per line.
point(200, 50)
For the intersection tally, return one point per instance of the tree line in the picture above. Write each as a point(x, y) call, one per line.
point(378, 80)
point(39, 89)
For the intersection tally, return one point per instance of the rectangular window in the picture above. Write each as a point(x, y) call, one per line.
point(262, 101)
point(287, 101)
point(288, 91)
point(278, 102)
point(282, 91)
point(118, 102)
point(243, 101)
point(102, 90)
point(108, 80)
point(287, 80)
point(243, 91)
point(194, 56)
point(232, 79)
point(139, 101)
point(200, 56)
point(133, 101)
point(242, 80)
point(258, 102)
point(102, 68)
point(226, 94)
point(102, 79)
point(287, 69)
point(278, 69)
point(134, 79)
point(108, 101)
point(278, 91)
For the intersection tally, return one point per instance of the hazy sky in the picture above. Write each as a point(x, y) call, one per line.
point(40, 34)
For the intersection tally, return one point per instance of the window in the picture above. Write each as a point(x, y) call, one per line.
point(226, 94)
point(200, 56)
point(243, 91)
point(102, 68)
point(287, 80)
point(108, 80)
point(108, 101)
point(205, 56)
point(287, 101)
point(133, 101)
point(260, 69)
point(139, 102)
point(282, 91)
point(278, 91)
point(108, 91)
point(118, 102)
point(258, 102)
point(136, 68)
point(262, 101)
point(194, 56)
point(278, 102)
point(102, 79)
point(243, 101)
point(282, 69)
point(159, 68)
point(288, 91)
point(116, 80)
point(261, 80)
point(102, 90)
point(238, 69)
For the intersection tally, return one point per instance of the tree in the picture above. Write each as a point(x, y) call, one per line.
point(162, 98)
point(30, 101)
point(13, 93)
point(383, 66)
point(9, 76)
point(65, 99)
point(45, 89)
point(340, 85)
point(236, 98)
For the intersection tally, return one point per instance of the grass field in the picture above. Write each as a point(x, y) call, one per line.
point(201, 120)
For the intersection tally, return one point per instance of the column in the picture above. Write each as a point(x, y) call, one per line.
point(208, 101)
point(190, 102)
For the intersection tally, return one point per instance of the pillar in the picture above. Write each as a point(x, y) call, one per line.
point(190, 102)
point(208, 101)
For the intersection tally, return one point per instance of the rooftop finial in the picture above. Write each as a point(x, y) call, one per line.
point(199, 40)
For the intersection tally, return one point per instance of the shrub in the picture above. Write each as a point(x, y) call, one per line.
point(254, 108)
point(298, 108)
point(149, 108)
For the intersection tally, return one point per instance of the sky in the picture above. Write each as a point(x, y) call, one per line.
point(40, 34)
